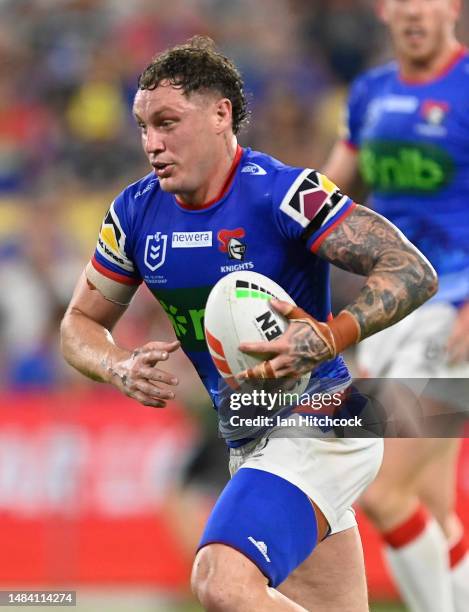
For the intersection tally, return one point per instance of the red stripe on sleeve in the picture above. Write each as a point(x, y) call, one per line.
point(120, 278)
point(317, 243)
point(350, 145)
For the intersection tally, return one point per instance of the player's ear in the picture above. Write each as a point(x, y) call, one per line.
point(456, 7)
point(381, 10)
point(224, 114)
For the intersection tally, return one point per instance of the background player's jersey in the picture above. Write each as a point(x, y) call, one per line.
point(271, 219)
point(414, 155)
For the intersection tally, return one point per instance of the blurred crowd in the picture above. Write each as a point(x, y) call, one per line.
point(68, 144)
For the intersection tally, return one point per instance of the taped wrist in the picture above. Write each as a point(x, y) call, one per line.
point(340, 333)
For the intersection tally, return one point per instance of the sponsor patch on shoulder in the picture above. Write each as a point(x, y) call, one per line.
point(111, 241)
point(252, 168)
point(312, 199)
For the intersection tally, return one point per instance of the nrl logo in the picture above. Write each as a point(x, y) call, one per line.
point(155, 250)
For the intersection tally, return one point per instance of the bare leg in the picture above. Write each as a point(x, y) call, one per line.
point(242, 586)
point(224, 580)
point(437, 487)
point(417, 550)
point(333, 577)
point(394, 494)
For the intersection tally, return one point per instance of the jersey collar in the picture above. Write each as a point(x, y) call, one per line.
point(224, 189)
point(454, 59)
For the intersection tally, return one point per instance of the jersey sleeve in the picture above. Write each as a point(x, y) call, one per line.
point(308, 206)
point(111, 269)
point(354, 113)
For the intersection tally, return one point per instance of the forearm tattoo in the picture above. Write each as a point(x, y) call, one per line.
point(399, 277)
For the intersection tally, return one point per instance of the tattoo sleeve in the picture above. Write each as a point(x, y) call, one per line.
point(399, 277)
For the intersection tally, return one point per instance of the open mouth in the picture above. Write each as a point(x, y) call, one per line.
point(162, 169)
point(414, 34)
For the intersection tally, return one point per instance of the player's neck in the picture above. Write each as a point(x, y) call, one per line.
point(431, 68)
point(219, 180)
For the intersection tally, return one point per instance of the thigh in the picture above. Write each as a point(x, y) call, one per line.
point(437, 485)
point(406, 459)
point(393, 495)
point(333, 576)
point(331, 472)
point(253, 516)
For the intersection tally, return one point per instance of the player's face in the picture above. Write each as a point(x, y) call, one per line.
point(420, 29)
point(181, 135)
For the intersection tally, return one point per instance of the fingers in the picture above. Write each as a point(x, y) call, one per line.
point(284, 308)
point(262, 348)
point(268, 370)
point(263, 370)
point(153, 352)
point(146, 400)
point(138, 377)
point(290, 311)
point(157, 375)
point(148, 393)
point(169, 347)
point(153, 391)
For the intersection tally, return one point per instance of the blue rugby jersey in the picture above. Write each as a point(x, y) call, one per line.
point(271, 219)
point(413, 141)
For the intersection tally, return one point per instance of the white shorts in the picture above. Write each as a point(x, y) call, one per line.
point(415, 348)
point(333, 472)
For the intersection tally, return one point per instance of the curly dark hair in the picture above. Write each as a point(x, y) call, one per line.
point(198, 66)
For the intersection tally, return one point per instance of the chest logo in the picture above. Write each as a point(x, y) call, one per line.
point(434, 112)
point(185, 240)
point(155, 250)
point(230, 243)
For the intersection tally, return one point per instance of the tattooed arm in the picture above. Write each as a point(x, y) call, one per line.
point(399, 280)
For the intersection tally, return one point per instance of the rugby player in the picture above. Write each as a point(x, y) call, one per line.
point(282, 535)
point(407, 135)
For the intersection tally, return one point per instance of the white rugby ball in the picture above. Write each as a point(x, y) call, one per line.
point(238, 310)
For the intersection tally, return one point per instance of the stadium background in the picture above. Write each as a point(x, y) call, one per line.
point(92, 486)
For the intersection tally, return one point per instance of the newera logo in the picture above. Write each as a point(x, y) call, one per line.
point(182, 240)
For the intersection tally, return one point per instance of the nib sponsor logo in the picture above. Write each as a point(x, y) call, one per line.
point(179, 322)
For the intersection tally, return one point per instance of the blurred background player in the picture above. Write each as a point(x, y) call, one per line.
point(407, 135)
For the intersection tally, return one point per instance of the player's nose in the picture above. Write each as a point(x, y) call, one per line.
point(414, 8)
point(154, 142)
